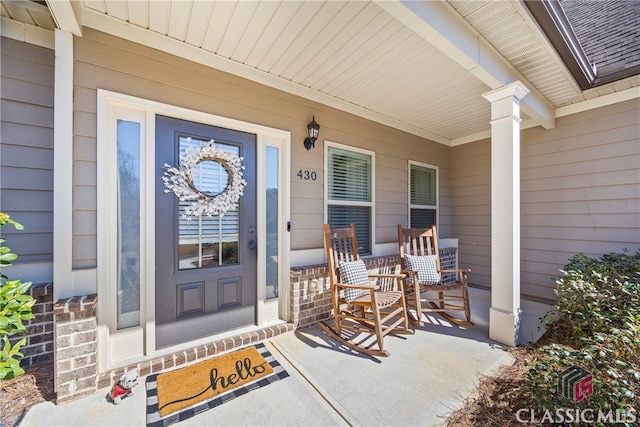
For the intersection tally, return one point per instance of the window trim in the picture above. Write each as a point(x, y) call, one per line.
point(371, 204)
point(412, 206)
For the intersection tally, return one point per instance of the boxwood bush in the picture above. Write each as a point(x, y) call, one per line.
point(598, 330)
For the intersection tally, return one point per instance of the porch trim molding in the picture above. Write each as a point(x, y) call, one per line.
point(23, 32)
point(505, 312)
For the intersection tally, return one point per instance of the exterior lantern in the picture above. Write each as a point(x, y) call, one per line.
point(313, 129)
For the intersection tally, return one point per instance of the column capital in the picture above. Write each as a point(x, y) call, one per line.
point(515, 90)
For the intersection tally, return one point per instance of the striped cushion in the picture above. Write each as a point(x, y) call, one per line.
point(353, 273)
point(425, 266)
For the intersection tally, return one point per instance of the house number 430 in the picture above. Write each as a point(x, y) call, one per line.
point(307, 175)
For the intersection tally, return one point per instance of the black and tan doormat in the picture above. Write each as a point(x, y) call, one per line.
point(177, 395)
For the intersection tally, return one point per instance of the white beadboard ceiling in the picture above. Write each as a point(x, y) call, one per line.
point(360, 56)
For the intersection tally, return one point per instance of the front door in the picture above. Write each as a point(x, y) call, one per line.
point(205, 265)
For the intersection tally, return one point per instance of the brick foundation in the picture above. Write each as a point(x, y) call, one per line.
point(39, 334)
point(76, 347)
point(310, 298)
point(73, 323)
point(449, 261)
point(76, 371)
point(184, 357)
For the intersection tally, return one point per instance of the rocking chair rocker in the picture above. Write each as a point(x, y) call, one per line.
point(361, 310)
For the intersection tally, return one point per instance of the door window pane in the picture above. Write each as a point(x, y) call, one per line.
point(128, 213)
point(207, 241)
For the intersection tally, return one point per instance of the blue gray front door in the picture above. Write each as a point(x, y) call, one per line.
point(205, 266)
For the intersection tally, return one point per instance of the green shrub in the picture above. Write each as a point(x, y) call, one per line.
point(598, 330)
point(15, 308)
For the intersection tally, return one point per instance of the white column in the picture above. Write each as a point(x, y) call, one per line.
point(504, 314)
point(63, 166)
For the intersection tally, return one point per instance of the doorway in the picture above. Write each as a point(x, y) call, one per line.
point(206, 266)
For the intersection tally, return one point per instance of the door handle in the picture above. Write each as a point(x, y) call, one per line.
point(253, 245)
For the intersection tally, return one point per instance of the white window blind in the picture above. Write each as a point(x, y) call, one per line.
point(350, 175)
point(349, 178)
point(423, 195)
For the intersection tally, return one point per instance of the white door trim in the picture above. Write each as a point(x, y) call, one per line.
point(140, 342)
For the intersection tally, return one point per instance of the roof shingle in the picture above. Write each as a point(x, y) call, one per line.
point(608, 30)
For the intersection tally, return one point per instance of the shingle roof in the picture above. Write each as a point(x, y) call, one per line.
point(608, 30)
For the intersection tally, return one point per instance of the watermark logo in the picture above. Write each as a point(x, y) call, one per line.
point(575, 383)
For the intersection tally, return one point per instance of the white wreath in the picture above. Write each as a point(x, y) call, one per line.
point(179, 180)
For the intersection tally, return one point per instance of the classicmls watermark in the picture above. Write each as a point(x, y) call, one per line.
point(576, 384)
point(574, 415)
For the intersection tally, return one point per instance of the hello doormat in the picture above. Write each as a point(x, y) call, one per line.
point(177, 395)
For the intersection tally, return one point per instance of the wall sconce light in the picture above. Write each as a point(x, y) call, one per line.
point(313, 128)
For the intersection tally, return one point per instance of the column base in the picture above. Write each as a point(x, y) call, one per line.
point(504, 326)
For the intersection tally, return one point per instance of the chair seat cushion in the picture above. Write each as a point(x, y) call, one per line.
point(425, 265)
point(353, 273)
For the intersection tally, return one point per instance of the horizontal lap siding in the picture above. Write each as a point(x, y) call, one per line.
point(26, 148)
point(106, 62)
point(580, 193)
point(471, 208)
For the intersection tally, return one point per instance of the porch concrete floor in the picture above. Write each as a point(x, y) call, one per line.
point(427, 376)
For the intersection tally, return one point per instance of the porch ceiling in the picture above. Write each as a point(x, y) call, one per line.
point(388, 61)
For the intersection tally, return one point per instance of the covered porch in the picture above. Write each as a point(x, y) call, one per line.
point(427, 377)
point(533, 164)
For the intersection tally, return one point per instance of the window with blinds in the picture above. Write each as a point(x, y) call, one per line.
point(423, 196)
point(349, 190)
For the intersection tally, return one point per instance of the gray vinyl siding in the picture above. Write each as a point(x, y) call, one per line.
point(26, 148)
point(106, 62)
point(471, 208)
point(580, 193)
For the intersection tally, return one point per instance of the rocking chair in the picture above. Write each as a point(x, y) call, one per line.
point(420, 261)
point(361, 310)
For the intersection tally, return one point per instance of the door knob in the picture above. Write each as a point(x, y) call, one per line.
point(253, 245)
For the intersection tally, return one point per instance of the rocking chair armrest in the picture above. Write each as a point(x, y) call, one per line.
point(363, 287)
point(398, 277)
point(408, 273)
point(460, 270)
point(390, 276)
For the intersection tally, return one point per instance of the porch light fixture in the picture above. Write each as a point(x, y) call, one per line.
point(313, 128)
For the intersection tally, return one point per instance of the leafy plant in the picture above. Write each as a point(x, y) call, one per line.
point(599, 331)
point(5, 253)
point(15, 308)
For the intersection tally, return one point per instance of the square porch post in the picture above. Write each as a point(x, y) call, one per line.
point(504, 314)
